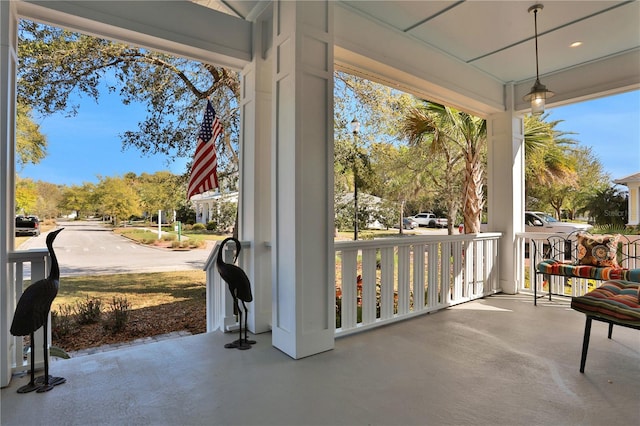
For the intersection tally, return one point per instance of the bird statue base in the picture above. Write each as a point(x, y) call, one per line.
point(29, 387)
point(40, 386)
point(242, 344)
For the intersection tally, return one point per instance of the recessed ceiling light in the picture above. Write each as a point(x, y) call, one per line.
point(576, 44)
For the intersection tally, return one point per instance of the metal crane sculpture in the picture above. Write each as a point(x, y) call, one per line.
point(240, 289)
point(32, 313)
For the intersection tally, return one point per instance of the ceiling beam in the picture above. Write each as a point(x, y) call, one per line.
point(195, 31)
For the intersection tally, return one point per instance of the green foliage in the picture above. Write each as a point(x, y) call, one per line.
point(559, 174)
point(88, 311)
point(79, 198)
point(49, 197)
point(370, 209)
point(607, 207)
point(117, 198)
point(460, 140)
point(223, 217)
point(26, 196)
point(62, 321)
point(345, 213)
point(198, 227)
point(117, 314)
point(159, 191)
point(196, 243)
point(185, 214)
point(57, 66)
point(610, 228)
point(31, 144)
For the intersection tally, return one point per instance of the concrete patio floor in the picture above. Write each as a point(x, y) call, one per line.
point(496, 361)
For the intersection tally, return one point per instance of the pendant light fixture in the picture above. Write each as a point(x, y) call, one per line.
point(539, 93)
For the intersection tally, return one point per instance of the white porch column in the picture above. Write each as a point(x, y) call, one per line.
point(8, 66)
point(303, 256)
point(254, 203)
point(505, 138)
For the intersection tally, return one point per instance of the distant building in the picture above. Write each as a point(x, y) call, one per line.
point(205, 203)
point(633, 183)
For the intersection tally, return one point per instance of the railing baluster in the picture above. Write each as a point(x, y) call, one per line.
point(349, 286)
point(369, 281)
point(418, 277)
point(403, 280)
point(458, 274)
point(387, 267)
point(445, 272)
point(432, 274)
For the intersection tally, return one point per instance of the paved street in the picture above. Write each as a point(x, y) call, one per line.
point(90, 248)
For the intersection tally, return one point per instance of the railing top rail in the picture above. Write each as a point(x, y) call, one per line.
point(561, 246)
point(540, 235)
point(27, 255)
point(418, 239)
point(211, 259)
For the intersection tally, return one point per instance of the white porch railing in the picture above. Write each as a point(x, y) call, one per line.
point(39, 262)
point(404, 277)
point(529, 252)
point(457, 268)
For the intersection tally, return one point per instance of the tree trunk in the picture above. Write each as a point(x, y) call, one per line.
point(473, 200)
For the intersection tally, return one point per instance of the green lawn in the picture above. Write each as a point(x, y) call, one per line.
point(141, 290)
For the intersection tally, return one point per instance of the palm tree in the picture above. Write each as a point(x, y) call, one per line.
point(550, 166)
point(445, 127)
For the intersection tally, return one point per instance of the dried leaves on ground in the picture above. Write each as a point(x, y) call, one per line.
point(158, 303)
point(189, 315)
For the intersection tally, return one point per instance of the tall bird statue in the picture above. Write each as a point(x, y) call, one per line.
point(240, 289)
point(32, 313)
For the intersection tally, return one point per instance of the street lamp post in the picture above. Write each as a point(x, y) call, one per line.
point(355, 129)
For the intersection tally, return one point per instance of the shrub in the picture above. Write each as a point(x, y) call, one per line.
point(169, 237)
point(118, 314)
point(198, 227)
point(212, 226)
point(62, 321)
point(197, 243)
point(88, 311)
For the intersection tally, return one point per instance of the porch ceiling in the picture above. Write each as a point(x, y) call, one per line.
point(496, 39)
point(498, 360)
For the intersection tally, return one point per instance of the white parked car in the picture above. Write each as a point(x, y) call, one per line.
point(543, 222)
point(430, 220)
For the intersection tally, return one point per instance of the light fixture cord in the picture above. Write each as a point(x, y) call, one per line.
point(535, 25)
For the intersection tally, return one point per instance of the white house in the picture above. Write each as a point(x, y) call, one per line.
point(205, 203)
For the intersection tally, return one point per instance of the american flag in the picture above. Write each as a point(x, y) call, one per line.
point(203, 172)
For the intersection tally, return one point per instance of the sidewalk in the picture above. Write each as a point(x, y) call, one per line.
point(122, 345)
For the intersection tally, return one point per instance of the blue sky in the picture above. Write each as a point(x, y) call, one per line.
point(82, 147)
point(610, 126)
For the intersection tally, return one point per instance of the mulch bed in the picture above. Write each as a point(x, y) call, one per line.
point(189, 315)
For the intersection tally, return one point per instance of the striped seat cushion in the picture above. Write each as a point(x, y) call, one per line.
point(568, 269)
point(615, 300)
